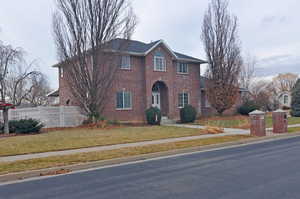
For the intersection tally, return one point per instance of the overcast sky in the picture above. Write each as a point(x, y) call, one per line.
point(268, 29)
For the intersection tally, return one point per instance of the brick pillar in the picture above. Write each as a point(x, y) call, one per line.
point(280, 122)
point(258, 123)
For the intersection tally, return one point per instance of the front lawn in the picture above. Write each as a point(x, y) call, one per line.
point(241, 122)
point(294, 129)
point(56, 161)
point(81, 138)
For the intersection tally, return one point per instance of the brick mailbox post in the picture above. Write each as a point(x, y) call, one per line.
point(258, 123)
point(280, 121)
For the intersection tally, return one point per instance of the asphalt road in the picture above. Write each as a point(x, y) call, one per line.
point(267, 170)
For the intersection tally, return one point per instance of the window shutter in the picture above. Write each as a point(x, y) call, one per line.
point(180, 104)
point(127, 100)
point(119, 99)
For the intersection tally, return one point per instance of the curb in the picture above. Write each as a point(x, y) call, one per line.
point(14, 177)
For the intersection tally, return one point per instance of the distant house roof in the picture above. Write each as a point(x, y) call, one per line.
point(54, 93)
point(284, 93)
point(204, 82)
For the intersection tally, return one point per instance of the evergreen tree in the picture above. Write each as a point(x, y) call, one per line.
point(296, 100)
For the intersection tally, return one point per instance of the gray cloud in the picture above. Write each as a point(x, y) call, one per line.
point(273, 20)
point(268, 29)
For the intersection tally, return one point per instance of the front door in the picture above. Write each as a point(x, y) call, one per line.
point(156, 99)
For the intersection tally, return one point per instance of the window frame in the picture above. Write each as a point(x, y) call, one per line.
point(61, 71)
point(179, 67)
point(164, 64)
point(182, 97)
point(285, 99)
point(123, 100)
point(127, 67)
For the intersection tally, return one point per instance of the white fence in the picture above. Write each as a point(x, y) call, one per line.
point(60, 116)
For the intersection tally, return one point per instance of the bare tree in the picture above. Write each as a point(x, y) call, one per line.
point(262, 93)
point(247, 72)
point(84, 31)
point(285, 82)
point(20, 82)
point(38, 93)
point(222, 47)
point(13, 76)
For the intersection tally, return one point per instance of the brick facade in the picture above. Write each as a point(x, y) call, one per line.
point(139, 80)
point(207, 110)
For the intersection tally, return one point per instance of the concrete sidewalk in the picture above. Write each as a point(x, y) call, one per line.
point(112, 147)
point(289, 126)
point(226, 130)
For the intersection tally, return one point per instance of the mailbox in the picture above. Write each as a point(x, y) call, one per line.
point(280, 121)
point(258, 123)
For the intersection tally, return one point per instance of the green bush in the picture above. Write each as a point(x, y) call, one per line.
point(188, 114)
point(153, 116)
point(295, 104)
point(247, 107)
point(25, 126)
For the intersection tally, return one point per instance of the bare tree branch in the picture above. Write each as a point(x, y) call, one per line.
point(285, 82)
point(83, 31)
point(222, 47)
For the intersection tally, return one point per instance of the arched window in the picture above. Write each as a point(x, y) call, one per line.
point(285, 99)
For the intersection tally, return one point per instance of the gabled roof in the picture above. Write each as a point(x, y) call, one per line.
point(142, 49)
point(139, 48)
point(132, 45)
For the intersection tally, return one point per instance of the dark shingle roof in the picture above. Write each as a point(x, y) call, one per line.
point(204, 82)
point(182, 56)
point(141, 48)
point(132, 45)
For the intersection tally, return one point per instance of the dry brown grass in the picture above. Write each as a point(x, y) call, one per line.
point(57, 161)
point(214, 130)
point(240, 122)
point(81, 138)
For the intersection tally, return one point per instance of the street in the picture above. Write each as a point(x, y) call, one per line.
point(266, 170)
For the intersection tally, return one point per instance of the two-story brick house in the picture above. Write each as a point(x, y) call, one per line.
point(149, 75)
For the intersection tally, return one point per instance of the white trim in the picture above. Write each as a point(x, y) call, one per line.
point(164, 62)
point(61, 72)
point(123, 96)
point(178, 67)
point(129, 65)
point(57, 90)
point(188, 94)
point(157, 44)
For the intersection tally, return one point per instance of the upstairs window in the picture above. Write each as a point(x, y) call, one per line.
point(125, 62)
point(124, 100)
point(182, 68)
point(183, 99)
point(61, 71)
point(159, 63)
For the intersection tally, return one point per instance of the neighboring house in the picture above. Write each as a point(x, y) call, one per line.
point(284, 99)
point(151, 74)
point(207, 109)
point(54, 97)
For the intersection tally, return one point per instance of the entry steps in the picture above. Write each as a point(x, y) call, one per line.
point(165, 120)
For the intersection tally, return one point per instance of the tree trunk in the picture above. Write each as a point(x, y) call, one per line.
point(5, 119)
